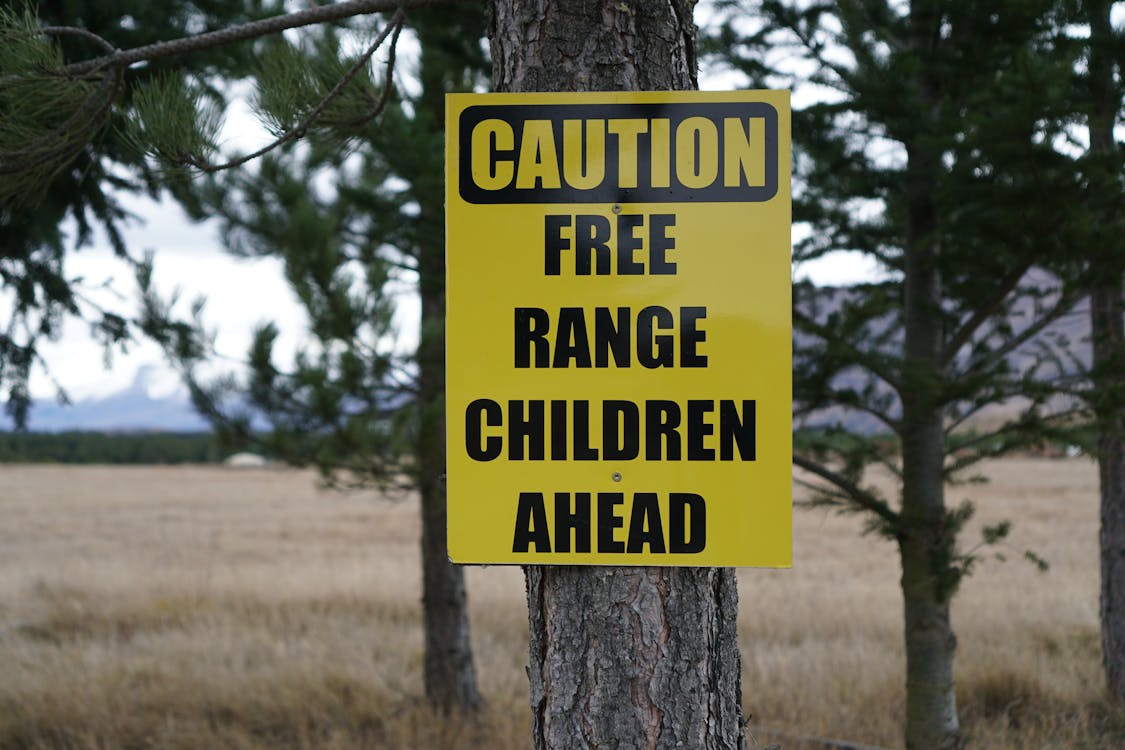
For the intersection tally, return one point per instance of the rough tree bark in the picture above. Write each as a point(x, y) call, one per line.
point(620, 657)
point(926, 544)
point(1107, 328)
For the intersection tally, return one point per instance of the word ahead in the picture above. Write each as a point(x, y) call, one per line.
point(619, 153)
point(687, 524)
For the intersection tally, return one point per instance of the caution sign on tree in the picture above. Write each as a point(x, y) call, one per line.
point(618, 328)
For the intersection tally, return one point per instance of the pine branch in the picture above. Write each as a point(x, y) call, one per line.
point(816, 50)
point(388, 77)
point(1026, 429)
point(848, 398)
point(983, 313)
point(53, 149)
point(243, 32)
point(872, 361)
point(35, 160)
point(1066, 300)
point(396, 22)
point(83, 33)
point(855, 494)
point(824, 495)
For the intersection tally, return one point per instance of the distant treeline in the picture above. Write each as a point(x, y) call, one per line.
point(110, 447)
point(204, 447)
point(1065, 440)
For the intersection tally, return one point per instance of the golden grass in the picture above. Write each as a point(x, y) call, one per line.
point(200, 607)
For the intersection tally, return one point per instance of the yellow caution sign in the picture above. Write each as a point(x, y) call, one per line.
point(618, 328)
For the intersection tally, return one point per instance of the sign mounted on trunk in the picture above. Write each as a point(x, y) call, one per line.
point(618, 328)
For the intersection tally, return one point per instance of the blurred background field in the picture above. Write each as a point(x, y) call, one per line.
point(210, 607)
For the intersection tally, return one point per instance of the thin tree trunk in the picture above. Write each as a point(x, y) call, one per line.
point(620, 657)
point(926, 543)
point(1108, 332)
point(1107, 329)
point(449, 673)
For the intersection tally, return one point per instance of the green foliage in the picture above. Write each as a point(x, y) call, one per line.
point(1039, 562)
point(182, 340)
point(292, 82)
point(45, 119)
point(352, 236)
point(175, 120)
point(42, 116)
point(931, 150)
point(994, 534)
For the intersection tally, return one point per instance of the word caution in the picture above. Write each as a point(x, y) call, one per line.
point(654, 153)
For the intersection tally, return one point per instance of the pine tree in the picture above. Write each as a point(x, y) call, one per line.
point(81, 162)
point(931, 152)
point(355, 211)
point(350, 405)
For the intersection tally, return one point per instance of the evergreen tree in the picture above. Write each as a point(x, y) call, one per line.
point(931, 152)
point(63, 157)
point(346, 405)
point(352, 223)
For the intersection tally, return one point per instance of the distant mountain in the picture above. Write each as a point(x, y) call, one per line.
point(132, 409)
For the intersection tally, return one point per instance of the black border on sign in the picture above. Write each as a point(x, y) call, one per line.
point(608, 192)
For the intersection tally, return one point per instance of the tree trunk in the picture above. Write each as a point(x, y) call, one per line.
point(926, 543)
point(449, 673)
point(634, 657)
point(620, 657)
point(450, 676)
point(1107, 330)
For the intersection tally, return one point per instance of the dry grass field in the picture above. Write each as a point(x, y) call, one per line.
point(204, 607)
